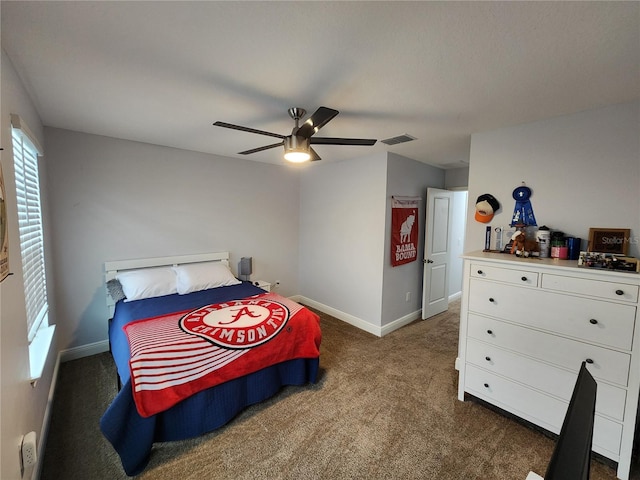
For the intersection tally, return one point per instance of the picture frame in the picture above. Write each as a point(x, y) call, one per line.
point(4, 232)
point(609, 240)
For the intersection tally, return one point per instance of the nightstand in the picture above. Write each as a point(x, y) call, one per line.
point(263, 285)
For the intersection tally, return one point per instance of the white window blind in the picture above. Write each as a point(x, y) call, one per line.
point(25, 156)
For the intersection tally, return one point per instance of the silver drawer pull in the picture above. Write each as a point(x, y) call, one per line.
point(619, 292)
point(593, 321)
point(588, 360)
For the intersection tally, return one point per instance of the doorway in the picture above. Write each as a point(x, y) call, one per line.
point(444, 244)
point(458, 228)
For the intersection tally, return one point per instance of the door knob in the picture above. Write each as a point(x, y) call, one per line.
point(429, 260)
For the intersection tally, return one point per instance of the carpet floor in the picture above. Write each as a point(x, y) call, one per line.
point(383, 408)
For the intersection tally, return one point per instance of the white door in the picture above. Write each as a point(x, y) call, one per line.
point(435, 284)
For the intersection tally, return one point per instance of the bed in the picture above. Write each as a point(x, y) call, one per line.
point(193, 347)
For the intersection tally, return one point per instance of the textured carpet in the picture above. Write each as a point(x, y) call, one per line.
point(383, 408)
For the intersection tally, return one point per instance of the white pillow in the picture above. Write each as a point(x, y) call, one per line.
point(200, 276)
point(148, 282)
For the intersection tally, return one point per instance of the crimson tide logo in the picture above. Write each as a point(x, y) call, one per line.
point(238, 324)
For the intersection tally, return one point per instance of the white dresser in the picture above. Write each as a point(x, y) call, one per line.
point(526, 325)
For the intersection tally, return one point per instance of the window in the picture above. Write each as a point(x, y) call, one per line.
point(25, 157)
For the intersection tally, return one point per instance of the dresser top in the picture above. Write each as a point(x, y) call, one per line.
point(568, 266)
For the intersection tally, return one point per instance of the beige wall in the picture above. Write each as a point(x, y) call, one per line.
point(114, 199)
point(583, 169)
point(23, 407)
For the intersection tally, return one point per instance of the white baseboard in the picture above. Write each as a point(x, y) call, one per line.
point(358, 322)
point(46, 421)
point(103, 345)
point(63, 356)
point(455, 296)
point(84, 351)
point(345, 317)
point(401, 322)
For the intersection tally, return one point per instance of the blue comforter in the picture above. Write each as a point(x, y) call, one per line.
point(132, 436)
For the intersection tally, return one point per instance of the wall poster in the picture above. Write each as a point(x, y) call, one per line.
point(404, 230)
point(4, 232)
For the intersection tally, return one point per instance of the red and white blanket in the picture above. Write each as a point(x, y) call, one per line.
point(177, 355)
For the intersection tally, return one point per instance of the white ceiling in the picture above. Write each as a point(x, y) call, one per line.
point(163, 72)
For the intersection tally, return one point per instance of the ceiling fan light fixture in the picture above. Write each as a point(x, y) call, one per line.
point(296, 149)
point(297, 146)
point(297, 156)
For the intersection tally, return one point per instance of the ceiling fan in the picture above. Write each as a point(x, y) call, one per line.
point(297, 146)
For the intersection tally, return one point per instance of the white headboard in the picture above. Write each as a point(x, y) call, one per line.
point(112, 268)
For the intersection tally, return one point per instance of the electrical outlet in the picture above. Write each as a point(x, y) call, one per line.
point(276, 284)
point(407, 297)
point(28, 452)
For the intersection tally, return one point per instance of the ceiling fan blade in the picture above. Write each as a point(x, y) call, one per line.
point(315, 122)
point(259, 149)
point(342, 141)
point(314, 155)
point(247, 129)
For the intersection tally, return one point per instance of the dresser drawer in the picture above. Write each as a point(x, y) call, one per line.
point(606, 323)
point(541, 376)
point(537, 407)
point(593, 288)
point(608, 365)
point(517, 277)
point(527, 403)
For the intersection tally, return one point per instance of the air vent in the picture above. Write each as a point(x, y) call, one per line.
point(399, 139)
point(449, 166)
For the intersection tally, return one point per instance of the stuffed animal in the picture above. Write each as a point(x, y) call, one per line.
point(517, 238)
